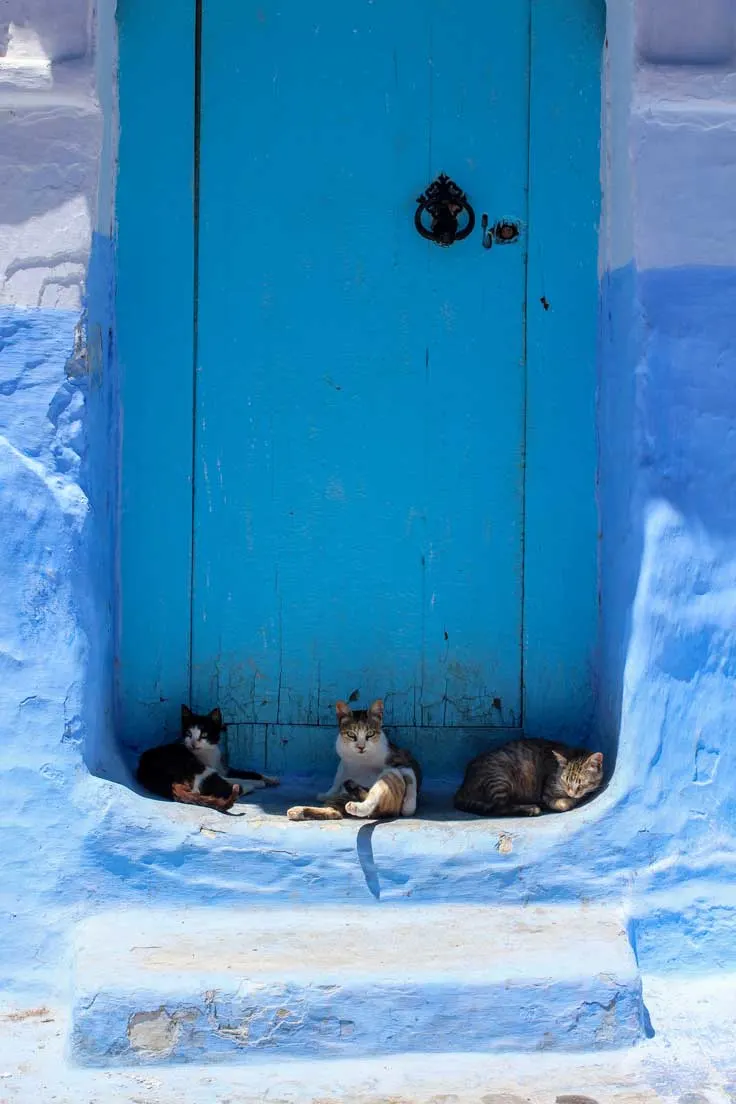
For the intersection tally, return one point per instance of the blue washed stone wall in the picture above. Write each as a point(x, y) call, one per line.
point(57, 442)
point(46, 621)
point(662, 839)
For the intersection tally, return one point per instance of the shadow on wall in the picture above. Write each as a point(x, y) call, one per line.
point(62, 31)
point(668, 496)
point(95, 586)
point(621, 350)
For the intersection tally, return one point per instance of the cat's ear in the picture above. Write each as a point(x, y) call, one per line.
point(343, 710)
point(216, 716)
point(596, 760)
point(186, 714)
point(560, 758)
point(376, 710)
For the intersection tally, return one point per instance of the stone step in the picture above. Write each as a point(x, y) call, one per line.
point(211, 985)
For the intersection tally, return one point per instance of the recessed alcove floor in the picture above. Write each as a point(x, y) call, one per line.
point(435, 812)
point(435, 807)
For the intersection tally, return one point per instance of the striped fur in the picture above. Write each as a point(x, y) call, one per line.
point(524, 777)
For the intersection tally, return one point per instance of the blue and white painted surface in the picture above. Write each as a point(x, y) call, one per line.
point(660, 845)
point(689, 1062)
point(314, 991)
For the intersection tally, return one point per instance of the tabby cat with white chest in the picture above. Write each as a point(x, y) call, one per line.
point(526, 776)
point(374, 778)
point(192, 770)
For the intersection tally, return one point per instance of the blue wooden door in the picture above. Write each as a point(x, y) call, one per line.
point(359, 407)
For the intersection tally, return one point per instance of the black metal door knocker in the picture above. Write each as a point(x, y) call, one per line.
point(444, 203)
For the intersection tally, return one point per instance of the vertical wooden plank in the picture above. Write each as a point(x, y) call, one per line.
point(560, 582)
point(360, 391)
point(154, 304)
point(476, 373)
point(312, 340)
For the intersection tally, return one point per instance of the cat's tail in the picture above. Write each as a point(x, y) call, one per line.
point(183, 792)
point(254, 776)
point(465, 804)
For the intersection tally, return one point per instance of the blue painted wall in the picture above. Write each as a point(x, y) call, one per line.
point(661, 840)
point(56, 452)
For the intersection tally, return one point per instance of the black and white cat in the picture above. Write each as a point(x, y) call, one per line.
point(191, 769)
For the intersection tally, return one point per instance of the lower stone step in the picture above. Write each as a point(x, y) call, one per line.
point(211, 985)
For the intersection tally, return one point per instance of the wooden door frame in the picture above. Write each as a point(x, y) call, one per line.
point(156, 328)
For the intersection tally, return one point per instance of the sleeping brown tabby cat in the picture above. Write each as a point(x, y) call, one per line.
point(526, 776)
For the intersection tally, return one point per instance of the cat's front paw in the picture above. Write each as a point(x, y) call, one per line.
point(356, 809)
point(296, 812)
point(271, 780)
point(562, 804)
point(533, 810)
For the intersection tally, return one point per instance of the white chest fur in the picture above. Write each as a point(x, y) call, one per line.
point(208, 754)
point(364, 767)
